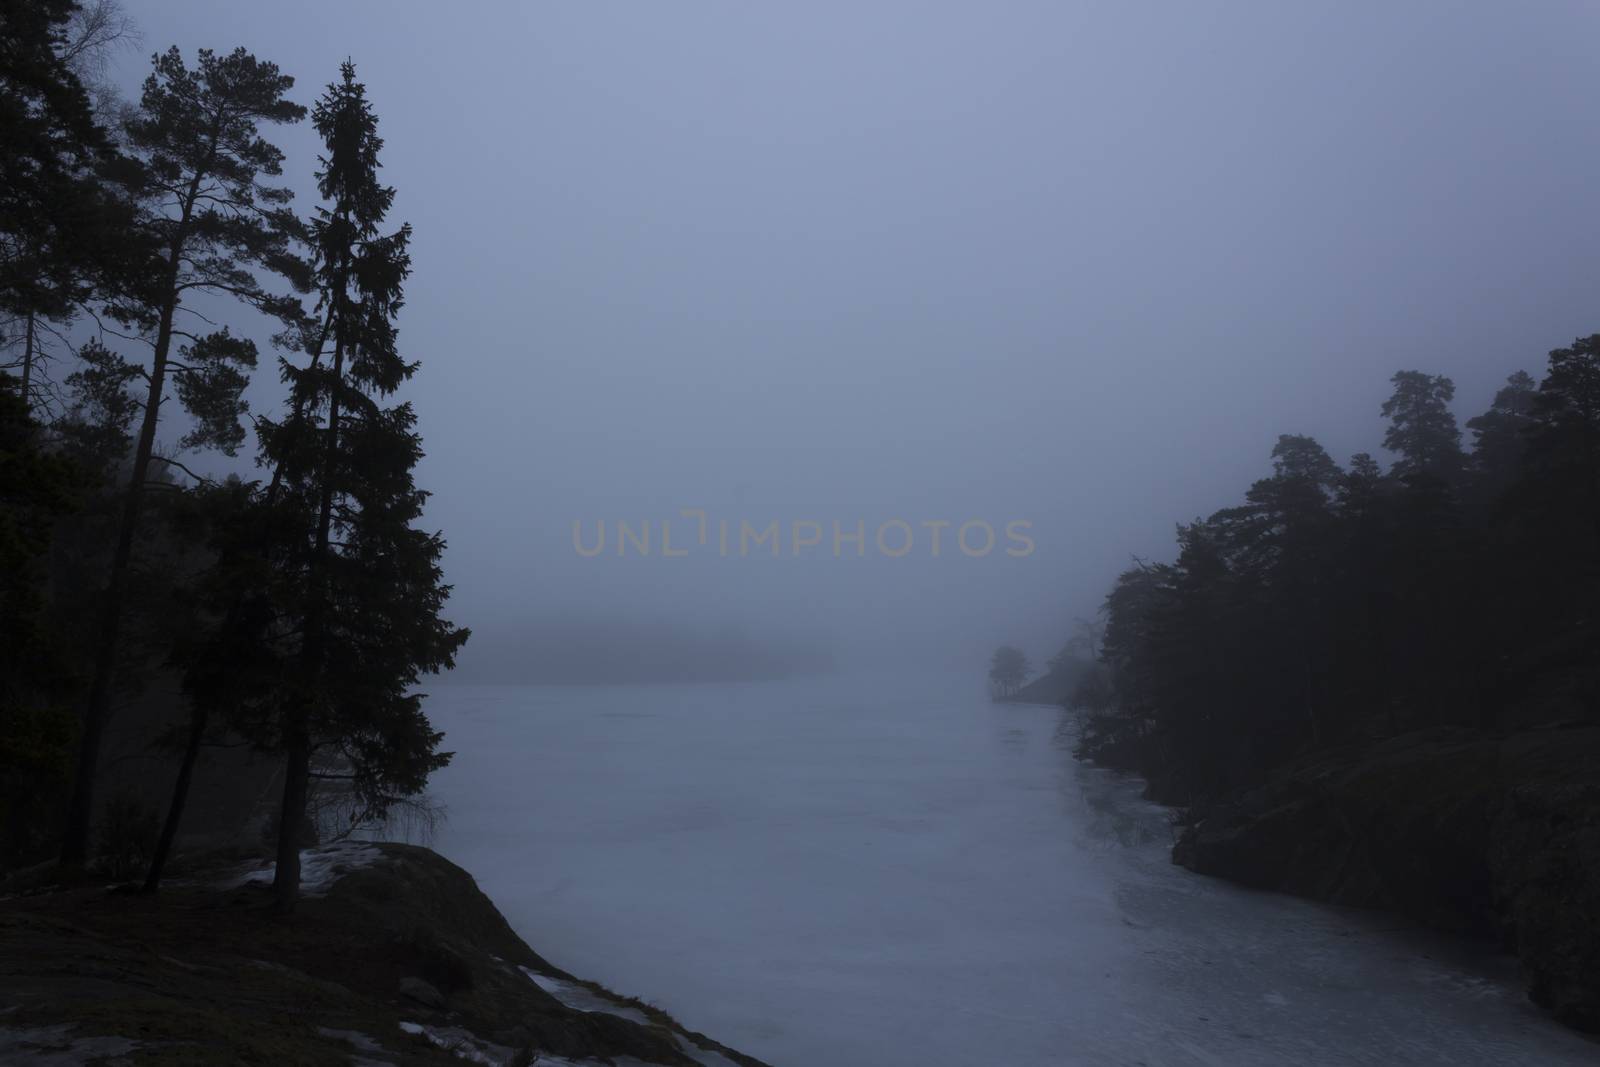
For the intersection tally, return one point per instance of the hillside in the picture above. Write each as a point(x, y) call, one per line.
point(395, 957)
point(1490, 835)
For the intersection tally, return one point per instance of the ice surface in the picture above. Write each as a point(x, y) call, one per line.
point(894, 871)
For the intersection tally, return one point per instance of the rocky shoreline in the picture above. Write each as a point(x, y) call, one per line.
point(395, 957)
point(1495, 836)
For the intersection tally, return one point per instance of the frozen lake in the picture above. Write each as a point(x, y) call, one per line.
point(875, 872)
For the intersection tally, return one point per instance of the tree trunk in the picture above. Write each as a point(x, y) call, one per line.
point(197, 726)
point(180, 796)
point(75, 842)
point(296, 780)
point(286, 878)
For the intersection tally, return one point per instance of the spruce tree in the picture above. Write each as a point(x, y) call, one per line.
point(364, 586)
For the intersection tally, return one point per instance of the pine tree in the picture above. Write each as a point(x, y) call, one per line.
point(228, 664)
point(1564, 438)
point(64, 225)
point(366, 585)
point(1500, 434)
point(1279, 544)
point(197, 136)
point(37, 486)
point(1555, 517)
point(1008, 669)
point(1422, 429)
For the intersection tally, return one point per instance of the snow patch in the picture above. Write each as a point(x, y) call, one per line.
point(320, 867)
point(582, 998)
point(361, 1042)
point(54, 1046)
point(704, 1056)
point(462, 1043)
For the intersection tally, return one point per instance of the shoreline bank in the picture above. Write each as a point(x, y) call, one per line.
point(1493, 837)
point(394, 957)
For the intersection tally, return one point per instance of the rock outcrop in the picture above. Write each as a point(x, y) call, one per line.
point(398, 958)
point(1491, 835)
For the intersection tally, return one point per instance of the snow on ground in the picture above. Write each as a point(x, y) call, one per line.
point(55, 1046)
point(582, 998)
point(463, 1043)
point(320, 867)
point(359, 1041)
point(362, 1043)
point(704, 1057)
point(547, 1060)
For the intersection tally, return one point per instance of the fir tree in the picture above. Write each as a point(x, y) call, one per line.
point(364, 584)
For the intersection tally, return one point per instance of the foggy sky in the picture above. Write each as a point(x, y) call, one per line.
point(1072, 264)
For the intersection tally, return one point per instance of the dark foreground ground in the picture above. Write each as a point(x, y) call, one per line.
point(396, 958)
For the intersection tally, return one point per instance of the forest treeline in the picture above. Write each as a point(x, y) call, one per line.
point(1340, 605)
point(144, 243)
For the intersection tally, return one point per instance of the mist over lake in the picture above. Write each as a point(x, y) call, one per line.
point(799, 535)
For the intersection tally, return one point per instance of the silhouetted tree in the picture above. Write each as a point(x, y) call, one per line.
point(1008, 669)
point(1338, 605)
point(1422, 429)
point(37, 726)
point(64, 224)
point(196, 132)
point(1083, 645)
point(1564, 438)
point(1500, 435)
point(1552, 524)
point(365, 585)
point(229, 667)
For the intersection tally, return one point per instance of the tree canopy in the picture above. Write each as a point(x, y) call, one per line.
point(1008, 669)
point(1340, 604)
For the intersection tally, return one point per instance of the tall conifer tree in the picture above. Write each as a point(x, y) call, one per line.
point(216, 223)
point(366, 585)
